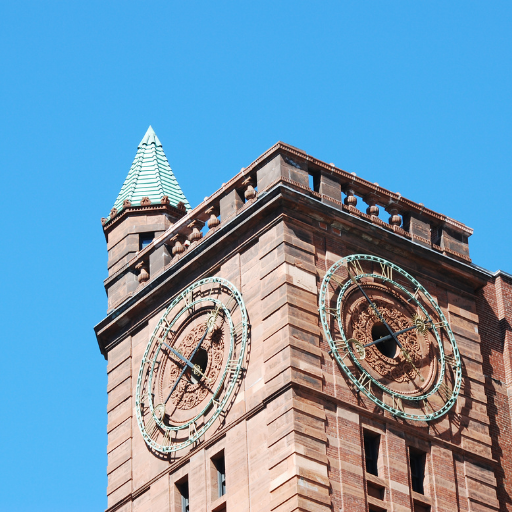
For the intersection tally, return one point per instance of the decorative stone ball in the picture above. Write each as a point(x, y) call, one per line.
point(351, 199)
point(178, 248)
point(373, 209)
point(213, 221)
point(250, 193)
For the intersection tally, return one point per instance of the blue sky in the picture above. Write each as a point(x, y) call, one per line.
point(413, 95)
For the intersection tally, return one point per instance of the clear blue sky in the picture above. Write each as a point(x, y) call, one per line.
point(414, 95)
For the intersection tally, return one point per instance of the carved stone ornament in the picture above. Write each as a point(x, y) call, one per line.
point(372, 209)
point(143, 273)
point(145, 201)
point(103, 221)
point(394, 219)
point(127, 203)
point(188, 396)
point(250, 192)
point(165, 200)
point(196, 234)
point(351, 199)
point(397, 369)
point(178, 247)
point(181, 206)
point(113, 213)
point(213, 221)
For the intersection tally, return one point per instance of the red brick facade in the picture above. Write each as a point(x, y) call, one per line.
point(293, 436)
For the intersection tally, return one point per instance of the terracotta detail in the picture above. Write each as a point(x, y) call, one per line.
point(250, 192)
point(178, 247)
point(127, 203)
point(394, 219)
point(351, 199)
point(394, 369)
point(373, 209)
point(164, 200)
point(145, 201)
point(196, 234)
point(143, 272)
point(213, 221)
point(188, 396)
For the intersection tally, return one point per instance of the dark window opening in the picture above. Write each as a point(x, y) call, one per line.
point(220, 467)
point(435, 235)
point(371, 452)
point(417, 464)
point(388, 347)
point(314, 181)
point(183, 490)
point(145, 239)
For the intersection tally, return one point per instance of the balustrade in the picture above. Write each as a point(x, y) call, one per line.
point(406, 218)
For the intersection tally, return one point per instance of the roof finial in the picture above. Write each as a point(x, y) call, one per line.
point(150, 138)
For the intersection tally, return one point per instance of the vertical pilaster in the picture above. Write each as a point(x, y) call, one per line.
point(197, 482)
point(398, 468)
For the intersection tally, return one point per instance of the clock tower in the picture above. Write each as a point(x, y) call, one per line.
point(287, 346)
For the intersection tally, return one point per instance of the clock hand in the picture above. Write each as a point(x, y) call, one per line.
point(409, 360)
point(195, 368)
point(377, 312)
point(389, 336)
point(208, 325)
point(180, 355)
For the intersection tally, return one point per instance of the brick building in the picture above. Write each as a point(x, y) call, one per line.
point(255, 363)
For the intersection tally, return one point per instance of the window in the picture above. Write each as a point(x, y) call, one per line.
point(220, 468)
point(183, 490)
point(145, 239)
point(371, 452)
point(417, 465)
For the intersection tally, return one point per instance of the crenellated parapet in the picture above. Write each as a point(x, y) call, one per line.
point(282, 165)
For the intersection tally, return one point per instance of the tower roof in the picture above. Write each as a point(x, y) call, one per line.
point(150, 176)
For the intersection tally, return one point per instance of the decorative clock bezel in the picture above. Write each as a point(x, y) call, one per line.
point(224, 385)
point(341, 348)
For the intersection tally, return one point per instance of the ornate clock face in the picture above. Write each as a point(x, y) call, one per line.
point(191, 365)
point(390, 337)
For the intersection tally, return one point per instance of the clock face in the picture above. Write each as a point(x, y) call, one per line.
point(390, 337)
point(191, 365)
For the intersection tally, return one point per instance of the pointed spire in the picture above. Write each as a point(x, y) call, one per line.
point(150, 176)
point(150, 138)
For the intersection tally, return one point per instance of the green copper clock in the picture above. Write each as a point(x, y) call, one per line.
point(191, 365)
point(390, 337)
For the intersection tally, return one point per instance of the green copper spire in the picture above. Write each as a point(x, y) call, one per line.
point(150, 176)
